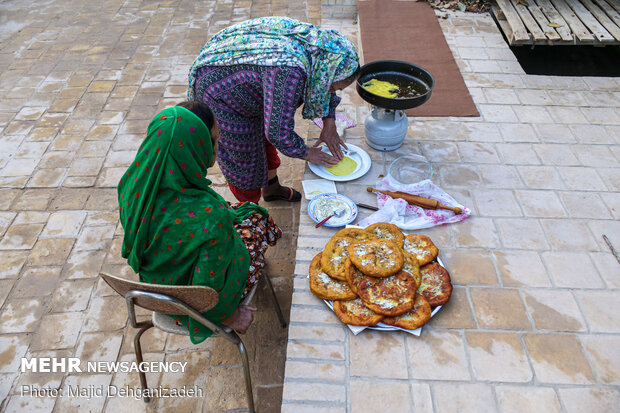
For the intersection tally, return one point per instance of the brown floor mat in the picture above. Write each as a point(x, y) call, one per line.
point(409, 31)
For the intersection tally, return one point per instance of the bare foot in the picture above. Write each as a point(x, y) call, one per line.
point(241, 319)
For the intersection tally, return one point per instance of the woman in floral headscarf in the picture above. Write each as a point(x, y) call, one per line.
point(254, 75)
point(179, 231)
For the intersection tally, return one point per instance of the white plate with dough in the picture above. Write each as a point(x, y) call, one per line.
point(357, 154)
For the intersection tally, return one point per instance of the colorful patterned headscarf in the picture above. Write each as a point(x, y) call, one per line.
point(179, 231)
point(326, 56)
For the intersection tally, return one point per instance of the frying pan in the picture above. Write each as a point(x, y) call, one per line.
point(394, 71)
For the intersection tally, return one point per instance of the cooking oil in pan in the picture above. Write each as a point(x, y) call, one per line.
point(405, 86)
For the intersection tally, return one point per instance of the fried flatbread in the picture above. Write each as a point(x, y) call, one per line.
point(416, 318)
point(357, 233)
point(355, 313)
point(378, 258)
point(334, 254)
point(325, 287)
point(383, 230)
point(412, 266)
point(436, 286)
point(389, 296)
point(353, 275)
point(422, 247)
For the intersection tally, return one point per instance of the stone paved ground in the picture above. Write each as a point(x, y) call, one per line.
point(534, 319)
point(79, 82)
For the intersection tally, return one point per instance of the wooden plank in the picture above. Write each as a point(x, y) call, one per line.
point(529, 21)
point(600, 15)
point(575, 24)
point(613, 14)
point(519, 32)
point(588, 19)
point(505, 26)
point(554, 17)
point(615, 4)
point(543, 22)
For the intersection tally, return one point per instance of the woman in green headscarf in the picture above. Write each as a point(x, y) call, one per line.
point(178, 230)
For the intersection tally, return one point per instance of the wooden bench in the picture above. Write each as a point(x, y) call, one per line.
point(561, 22)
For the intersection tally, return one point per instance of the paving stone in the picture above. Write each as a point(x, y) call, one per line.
point(607, 267)
point(69, 199)
point(458, 175)
point(324, 392)
point(47, 178)
point(58, 331)
point(131, 380)
point(98, 347)
point(72, 296)
point(7, 196)
point(603, 355)
point(300, 350)
point(584, 398)
point(469, 267)
point(600, 310)
point(501, 309)
point(314, 370)
point(515, 399)
point(498, 357)
point(496, 203)
point(518, 154)
point(476, 232)
point(553, 154)
point(572, 270)
point(426, 356)
point(14, 347)
point(500, 176)
point(11, 263)
point(540, 203)
point(541, 177)
point(85, 381)
point(379, 396)
point(568, 235)
point(465, 397)
point(581, 179)
point(591, 134)
point(86, 166)
point(554, 310)
point(521, 234)
point(521, 268)
point(105, 314)
point(21, 316)
point(549, 352)
point(456, 313)
point(37, 282)
point(389, 356)
point(51, 251)
point(18, 404)
point(33, 199)
point(64, 224)
point(94, 238)
point(19, 167)
point(21, 236)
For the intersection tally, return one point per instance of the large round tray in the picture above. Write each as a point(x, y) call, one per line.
point(391, 70)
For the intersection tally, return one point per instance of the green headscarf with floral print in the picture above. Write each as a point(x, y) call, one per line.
point(326, 56)
point(178, 230)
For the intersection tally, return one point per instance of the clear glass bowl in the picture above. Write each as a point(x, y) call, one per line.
point(410, 169)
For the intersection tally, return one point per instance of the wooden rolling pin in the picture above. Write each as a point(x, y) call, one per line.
point(417, 200)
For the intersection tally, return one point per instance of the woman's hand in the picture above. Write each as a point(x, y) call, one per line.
point(240, 319)
point(317, 156)
point(329, 135)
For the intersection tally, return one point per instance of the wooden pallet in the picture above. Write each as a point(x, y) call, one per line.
point(551, 22)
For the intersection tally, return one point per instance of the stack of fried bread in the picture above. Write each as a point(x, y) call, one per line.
point(378, 274)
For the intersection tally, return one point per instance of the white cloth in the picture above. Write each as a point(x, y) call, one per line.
point(409, 217)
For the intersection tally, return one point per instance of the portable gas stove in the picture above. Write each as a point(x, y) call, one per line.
point(386, 125)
